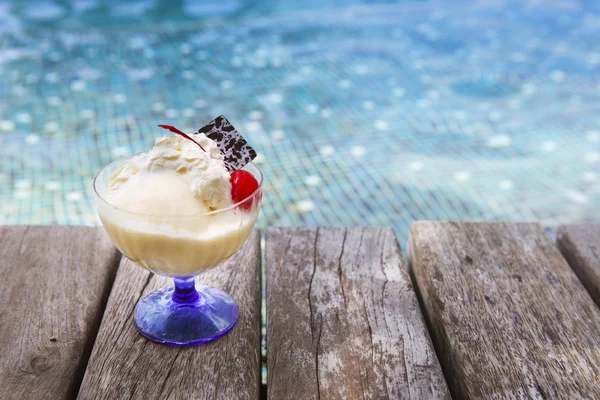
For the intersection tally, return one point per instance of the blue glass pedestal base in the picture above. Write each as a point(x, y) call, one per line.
point(185, 314)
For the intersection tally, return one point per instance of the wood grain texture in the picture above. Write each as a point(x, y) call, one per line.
point(508, 317)
point(123, 364)
point(56, 280)
point(343, 320)
point(580, 245)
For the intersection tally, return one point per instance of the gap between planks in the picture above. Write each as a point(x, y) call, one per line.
point(580, 245)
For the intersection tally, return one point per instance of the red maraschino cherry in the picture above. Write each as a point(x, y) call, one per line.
point(243, 184)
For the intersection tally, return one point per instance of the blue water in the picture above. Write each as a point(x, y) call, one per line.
point(380, 113)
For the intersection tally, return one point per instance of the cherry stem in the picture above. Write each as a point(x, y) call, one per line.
point(177, 131)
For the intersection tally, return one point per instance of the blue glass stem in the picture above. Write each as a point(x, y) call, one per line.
point(185, 291)
point(185, 314)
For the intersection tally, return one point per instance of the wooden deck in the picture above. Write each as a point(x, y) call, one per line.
point(497, 310)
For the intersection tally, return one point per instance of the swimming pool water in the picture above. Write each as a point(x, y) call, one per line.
point(379, 113)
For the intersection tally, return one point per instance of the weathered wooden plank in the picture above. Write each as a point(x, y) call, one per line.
point(343, 320)
point(123, 364)
point(507, 315)
point(580, 245)
point(56, 282)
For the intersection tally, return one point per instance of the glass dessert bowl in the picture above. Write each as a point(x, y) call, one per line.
point(180, 247)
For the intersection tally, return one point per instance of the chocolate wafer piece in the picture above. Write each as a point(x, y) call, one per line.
point(235, 149)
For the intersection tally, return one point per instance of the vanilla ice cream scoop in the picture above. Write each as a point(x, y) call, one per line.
point(170, 210)
point(176, 177)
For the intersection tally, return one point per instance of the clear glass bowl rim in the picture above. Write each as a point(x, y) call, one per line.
point(176, 216)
